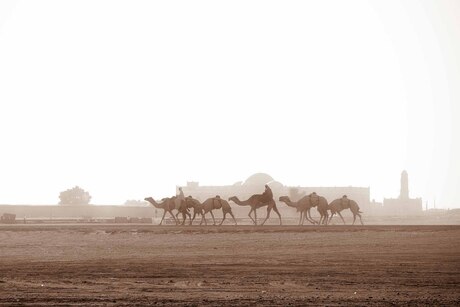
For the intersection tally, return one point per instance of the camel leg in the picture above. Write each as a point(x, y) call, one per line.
point(233, 217)
point(277, 212)
point(301, 218)
point(213, 219)
point(223, 219)
point(305, 217)
point(311, 219)
point(255, 216)
point(324, 219)
point(164, 213)
point(330, 218)
point(341, 217)
point(251, 217)
point(177, 217)
point(360, 219)
point(189, 217)
point(193, 218)
point(203, 218)
point(354, 218)
point(174, 218)
point(268, 215)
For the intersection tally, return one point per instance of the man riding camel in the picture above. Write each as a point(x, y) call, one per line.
point(267, 195)
point(180, 198)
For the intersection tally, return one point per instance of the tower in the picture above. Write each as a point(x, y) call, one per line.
point(404, 194)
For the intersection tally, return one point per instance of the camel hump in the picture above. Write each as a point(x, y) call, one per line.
point(314, 198)
point(217, 203)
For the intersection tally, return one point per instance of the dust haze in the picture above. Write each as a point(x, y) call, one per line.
point(245, 153)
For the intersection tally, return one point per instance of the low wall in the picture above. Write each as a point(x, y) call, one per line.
point(90, 211)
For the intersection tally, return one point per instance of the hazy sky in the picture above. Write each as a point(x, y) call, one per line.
point(129, 98)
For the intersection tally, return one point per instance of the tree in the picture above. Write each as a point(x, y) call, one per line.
point(74, 196)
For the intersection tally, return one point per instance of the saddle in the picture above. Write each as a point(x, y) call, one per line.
point(217, 203)
point(345, 203)
point(314, 199)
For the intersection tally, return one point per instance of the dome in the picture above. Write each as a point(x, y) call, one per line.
point(258, 179)
point(275, 185)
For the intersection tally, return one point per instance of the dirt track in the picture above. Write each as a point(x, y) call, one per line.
point(228, 265)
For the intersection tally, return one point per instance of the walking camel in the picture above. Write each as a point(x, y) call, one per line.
point(343, 203)
point(256, 202)
point(213, 203)
point(168, 205)
point(303, 206)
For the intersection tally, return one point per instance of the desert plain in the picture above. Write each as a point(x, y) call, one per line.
point(142, 265)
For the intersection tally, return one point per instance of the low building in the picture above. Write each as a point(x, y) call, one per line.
point(255, 185)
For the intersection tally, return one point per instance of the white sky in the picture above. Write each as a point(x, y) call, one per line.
point(129, 98)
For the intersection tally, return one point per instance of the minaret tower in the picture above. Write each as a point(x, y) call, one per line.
point(404, 186)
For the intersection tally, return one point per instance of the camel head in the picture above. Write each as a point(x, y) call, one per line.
point(151, 200)
point(284, 199)
point(233, 198)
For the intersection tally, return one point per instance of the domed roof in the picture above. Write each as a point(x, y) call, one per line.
point(258, 179)
point(275, 185)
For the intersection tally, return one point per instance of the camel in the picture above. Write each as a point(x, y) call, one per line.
point(343, 203)
point(256, 202)
point(303, 206)
point(208, 205)
point(166, 205)
point(321, 205)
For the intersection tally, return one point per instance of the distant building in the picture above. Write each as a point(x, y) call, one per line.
point(404, 205)
point(255, 185)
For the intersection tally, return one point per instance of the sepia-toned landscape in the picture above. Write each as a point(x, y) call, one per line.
point(138, 265)
point(230, 153)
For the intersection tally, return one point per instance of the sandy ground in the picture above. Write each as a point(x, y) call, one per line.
point(220, 266)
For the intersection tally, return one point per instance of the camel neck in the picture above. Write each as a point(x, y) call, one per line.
point(291, 203)
point(241, 203)
point(157, 205)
